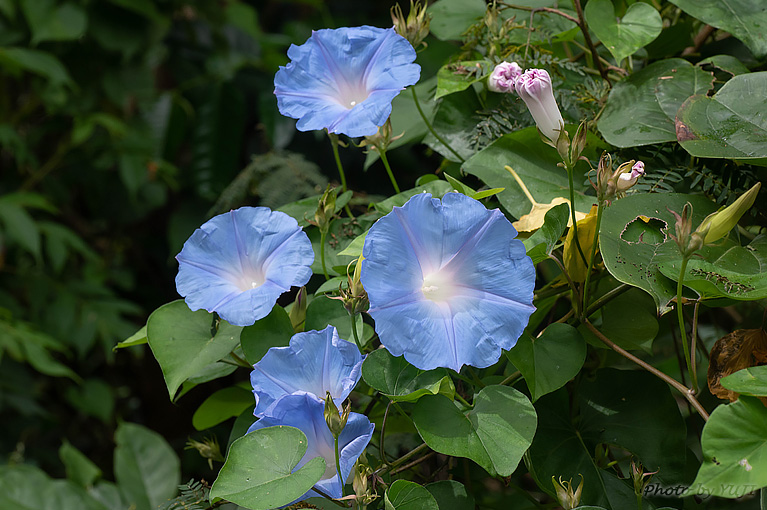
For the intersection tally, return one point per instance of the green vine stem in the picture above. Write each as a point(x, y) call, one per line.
point(431, 129)
point(337, 156)
point(682, 329)
point(354, 332)
point(594, 243)
point(385, 161)
point(338, 466)
point(323, 235)
point(570, 170)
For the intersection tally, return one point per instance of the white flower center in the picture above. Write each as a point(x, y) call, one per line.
point(438, 286)
point(352, 94)
point(250, 280)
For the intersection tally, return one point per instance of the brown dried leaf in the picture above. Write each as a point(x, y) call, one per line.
point(740, 349)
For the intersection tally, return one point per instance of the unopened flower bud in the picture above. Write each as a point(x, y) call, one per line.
point(626, 180)
point(298, 312)
point(639, 477)
point(362, 489)
point(684, 238)
point(381, 140)
point(415, 27)
point(503, 77)
point(567, 497)
point(336, 422)
point(717, 225)
point(579, 143)
point(208, 449)
point(326, 210)
point(534, 87)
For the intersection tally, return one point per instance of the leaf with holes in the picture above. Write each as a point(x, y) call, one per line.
point(735, 272)
point(634, 240)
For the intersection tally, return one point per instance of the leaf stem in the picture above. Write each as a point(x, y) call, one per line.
point(682, 328)
point(431, 129)
point(607, 297)
point(240, 362)
point(323, 235)
point(337, 156)
point(513, 377)
point(354, 332)
point(385, 161)
point(576, 296)
point(411, 453)
point(684, 390)
point(594, 244)
point(338, 466)
point(570, 171)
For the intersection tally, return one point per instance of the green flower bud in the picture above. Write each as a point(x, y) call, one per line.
point(567, 497)
point(326, 210)
point(415, 27)
point(336, 422)
point(717, 225)
point(208, 449)
point(639, 477)
point(298, 312)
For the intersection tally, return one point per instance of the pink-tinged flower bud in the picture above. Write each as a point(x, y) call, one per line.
point(628, 179)
point(534, 87)
point(503, 77)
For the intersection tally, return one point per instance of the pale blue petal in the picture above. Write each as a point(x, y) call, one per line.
point(315, 362)
point(238, 263)
point(489, 281)
point(344, 80)
point(306, 413)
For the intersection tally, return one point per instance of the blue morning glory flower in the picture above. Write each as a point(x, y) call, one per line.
point(238, 263)
point(448, 284)
point(315, 362)
point(345, 79)
point(306, 413)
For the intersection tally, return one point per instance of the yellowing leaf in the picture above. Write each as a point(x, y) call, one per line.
point(573, 261)
point(533, 220)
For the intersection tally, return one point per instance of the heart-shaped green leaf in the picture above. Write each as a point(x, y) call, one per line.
point(401, 381)
point(731, 124)
point(274, 330)
point(146, 468)
point(639, 26)
point(185, 342)
point(549, 361)
point(745, 19)
point(495, 434)
point(641, 109)
point(259, 470)
point(749, 381)
point(734, 443)
point(404, 495)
